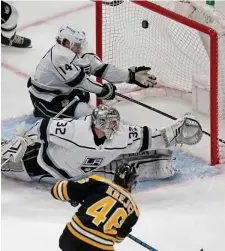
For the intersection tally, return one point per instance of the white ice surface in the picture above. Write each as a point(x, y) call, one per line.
point(182, 217)
point(186, 217)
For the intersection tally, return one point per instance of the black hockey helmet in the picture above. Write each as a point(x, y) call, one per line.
point(126, 176)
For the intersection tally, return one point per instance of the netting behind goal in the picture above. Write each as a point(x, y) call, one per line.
point(179, 49)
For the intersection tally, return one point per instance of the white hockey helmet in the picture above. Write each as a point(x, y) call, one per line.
point(106, 119)
point(73, 34)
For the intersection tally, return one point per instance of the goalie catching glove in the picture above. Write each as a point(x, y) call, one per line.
point(184, 131)
point(141, 77)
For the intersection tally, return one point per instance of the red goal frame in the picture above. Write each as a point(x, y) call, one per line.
point(214, 144)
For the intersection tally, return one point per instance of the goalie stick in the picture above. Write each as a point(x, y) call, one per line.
point(158, 111)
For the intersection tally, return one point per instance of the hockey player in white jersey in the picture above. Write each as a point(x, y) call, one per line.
point(9, 15)
point(96, 143)
point(67, 70)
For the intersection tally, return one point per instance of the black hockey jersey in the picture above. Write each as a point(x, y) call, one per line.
point(107, 212)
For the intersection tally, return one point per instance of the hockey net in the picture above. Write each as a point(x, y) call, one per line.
point(184, 44)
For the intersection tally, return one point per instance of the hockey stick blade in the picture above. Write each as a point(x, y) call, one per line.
point(158, 111)
point(143, 244)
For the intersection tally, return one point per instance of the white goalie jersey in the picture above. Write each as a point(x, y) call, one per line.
point(68, 147)
point(71, 147)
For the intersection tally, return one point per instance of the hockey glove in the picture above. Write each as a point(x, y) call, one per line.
point(108, 92)
point(73, 203)
point(141, 77)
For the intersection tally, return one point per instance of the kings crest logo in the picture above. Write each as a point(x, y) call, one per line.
point(90, 164)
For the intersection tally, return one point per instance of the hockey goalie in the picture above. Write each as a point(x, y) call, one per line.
point(98, 143)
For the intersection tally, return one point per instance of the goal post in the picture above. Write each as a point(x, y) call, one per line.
point(118, 24)
point(99, 22)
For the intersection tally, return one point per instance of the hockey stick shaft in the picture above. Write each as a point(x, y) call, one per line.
point(76, 99)
point(158, 111)
point(141, 243)
point(146, 106)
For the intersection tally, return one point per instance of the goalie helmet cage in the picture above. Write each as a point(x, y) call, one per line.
point(117, 20)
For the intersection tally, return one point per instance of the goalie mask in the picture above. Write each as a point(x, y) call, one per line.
point(106, 119)
point(74, 35)
point(126, 176)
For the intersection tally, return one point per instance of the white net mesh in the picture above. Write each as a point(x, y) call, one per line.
point(221, 97)
point(175, 52)
point(211, 17)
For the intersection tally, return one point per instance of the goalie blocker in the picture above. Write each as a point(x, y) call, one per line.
point(105, 140)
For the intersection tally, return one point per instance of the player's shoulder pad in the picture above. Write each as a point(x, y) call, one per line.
point(87, 51)
point(100, 179)
point(62, 55)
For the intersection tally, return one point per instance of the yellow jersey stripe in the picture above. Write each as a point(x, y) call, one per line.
point(120, 238)
point(100, 178)
point(119, 188)
point(96, 232)
point(87, 240)
point(55, 190)
point(135, 205)
point(65, 191)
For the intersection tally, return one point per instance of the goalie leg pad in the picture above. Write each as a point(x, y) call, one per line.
point(151, 165)
point(25, 169)
point(16, 171)
point(14, 149)
point(161, 165)
point(108, 171)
